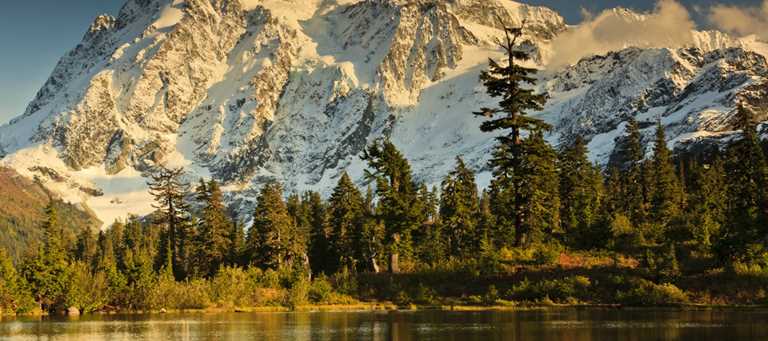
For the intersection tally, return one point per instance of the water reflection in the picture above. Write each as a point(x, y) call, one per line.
point(565, 324)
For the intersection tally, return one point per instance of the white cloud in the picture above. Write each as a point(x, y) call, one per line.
point(741, 21)
point(668, 25)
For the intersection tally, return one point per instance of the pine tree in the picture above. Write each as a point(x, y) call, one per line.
point(213, 228)
point(746, 226)
point(47, 271)
point(581, 195)
point(319, 243)
point(169, 190)
point(86, 246)
point(236, 245)
point(274, 240)
point(666, 192)
point(400, 209)
point(511, 187)
point(345, 219)
point(460, 211)
point(707, 199)
point(634, 190)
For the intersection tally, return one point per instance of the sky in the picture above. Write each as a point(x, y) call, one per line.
point(34, 34)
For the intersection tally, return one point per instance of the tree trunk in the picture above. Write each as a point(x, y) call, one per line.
point(394, 263)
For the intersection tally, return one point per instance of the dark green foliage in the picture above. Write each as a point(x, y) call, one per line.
point(524, 190)
point(400, 209)
point(274, 240)
point(346, 216)
point(460, 212)
point(168, 188)
point(666, 194)
point(581, 196)
point(211, 243)
point(744, 233)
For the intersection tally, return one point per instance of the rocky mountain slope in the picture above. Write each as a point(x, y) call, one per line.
point(251, 90)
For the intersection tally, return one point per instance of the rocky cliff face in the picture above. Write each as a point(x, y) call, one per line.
point(251, 90)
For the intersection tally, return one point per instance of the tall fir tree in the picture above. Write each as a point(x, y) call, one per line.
point(746, 228)
point(319, 243)
point(581, 196)
point(460, 211)
point(666, 190)
point(399, 208)
point(511, 187)
point(211, 244)
point(707, 199)
point(169, 189)
point(346, 215)
point(274, 241)
point(633, 187)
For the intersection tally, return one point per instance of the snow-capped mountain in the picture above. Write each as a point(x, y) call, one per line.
point(250, 90)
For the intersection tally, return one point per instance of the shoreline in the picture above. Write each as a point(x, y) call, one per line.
point(391, 307)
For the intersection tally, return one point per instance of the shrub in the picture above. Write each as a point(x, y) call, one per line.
point(232, 287)
point(321, 290)
point(559, 290)
point(647, 293)
point(298, 294)
point(491, 295)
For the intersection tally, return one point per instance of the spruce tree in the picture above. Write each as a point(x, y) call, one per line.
point(47, 271)
point(513, 193)
point(213, 228)
point(169, 190)
point(86, 246)
point(460, 211)
point(633, 188)
point(319, 243)
point(345, 217)
point(274, 240)
point(744, 233)
point(399, 208)
point(707, 199)
point(236, 244)
point(666, 192)
point(581, 195)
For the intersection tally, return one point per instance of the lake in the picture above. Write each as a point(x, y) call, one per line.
point(558, 324)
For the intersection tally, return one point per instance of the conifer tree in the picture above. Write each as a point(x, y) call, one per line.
point(236, 245)
point(400, 208)
point(213, 228)
point(634, 193)
point(319, 243)
point(666, 189)
point(744, 233)
point(345, 218)
point(460, 211)
point(274, 240)
point(169, 190)
point(513, 194)
point(47, 271)
point(86, 246)
point(707, 199)
point(581, 195)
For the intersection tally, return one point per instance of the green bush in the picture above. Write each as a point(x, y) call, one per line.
point(321, 290)
point(298, 294)
point(647, 293)
point(559, 290)
point(232, 287)
point(491, 296)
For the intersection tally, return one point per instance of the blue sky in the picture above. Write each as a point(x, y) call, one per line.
point(34, 34)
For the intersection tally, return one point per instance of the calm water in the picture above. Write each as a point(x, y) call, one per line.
point(570, 324)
